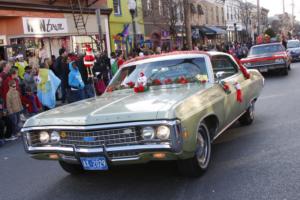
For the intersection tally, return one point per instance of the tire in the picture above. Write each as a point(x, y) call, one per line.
point(71, 168)
point(247, 118)
point(289, 67)
point(197, 165)
point(285, 71)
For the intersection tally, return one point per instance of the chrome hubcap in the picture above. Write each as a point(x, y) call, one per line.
point(202, 148)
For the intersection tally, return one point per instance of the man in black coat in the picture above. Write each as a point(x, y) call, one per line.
point(62, 70)
point(88, 82)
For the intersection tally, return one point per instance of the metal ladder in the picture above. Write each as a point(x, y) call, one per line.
point(79, 20)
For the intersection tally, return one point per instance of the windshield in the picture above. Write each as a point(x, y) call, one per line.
point(293, 44)
point(256, 50)
point(161, 73)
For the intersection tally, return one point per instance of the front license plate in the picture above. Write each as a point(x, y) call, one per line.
point(94, 163)
point(263, 69)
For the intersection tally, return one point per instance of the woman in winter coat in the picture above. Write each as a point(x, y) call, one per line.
point(47, 84)
point(75, 82)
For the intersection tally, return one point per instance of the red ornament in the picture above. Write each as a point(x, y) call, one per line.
point(243, 68)
point(168, 81)
point(130, 84)
point(156, 82)
point(139, 88)
point(182, 80)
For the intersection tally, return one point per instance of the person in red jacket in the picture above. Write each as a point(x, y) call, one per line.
point(31, 102)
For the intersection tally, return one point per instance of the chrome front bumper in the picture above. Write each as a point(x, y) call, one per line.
point(73, 153)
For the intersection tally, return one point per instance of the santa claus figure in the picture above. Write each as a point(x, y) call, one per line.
point(89, 60)
point(141, 83)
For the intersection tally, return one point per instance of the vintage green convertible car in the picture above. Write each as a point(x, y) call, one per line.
point(165, 107)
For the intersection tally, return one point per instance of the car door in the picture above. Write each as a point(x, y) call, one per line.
point(231, 76)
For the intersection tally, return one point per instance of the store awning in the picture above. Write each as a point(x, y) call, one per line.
point(218, 31)
point(206, 30)
point(210, 30)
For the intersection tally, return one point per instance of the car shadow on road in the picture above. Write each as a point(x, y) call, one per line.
point(155, 180)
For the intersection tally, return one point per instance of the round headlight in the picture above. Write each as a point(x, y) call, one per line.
point(44, 137)
point(55, 137)
point(148, 133)
point(163, 132)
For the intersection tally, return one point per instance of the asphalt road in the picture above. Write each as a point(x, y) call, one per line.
point(260, 161)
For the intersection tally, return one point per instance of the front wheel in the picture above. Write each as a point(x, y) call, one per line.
point(73, 169)
point(198, 164)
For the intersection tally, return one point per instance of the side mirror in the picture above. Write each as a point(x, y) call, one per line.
point(220, 75)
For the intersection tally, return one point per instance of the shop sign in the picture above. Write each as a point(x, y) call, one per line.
point(44, 25)
point(230, 27)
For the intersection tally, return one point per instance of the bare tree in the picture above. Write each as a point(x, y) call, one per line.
point(246, 15)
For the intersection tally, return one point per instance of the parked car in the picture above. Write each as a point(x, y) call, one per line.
point(166, 107)
point(293, 49)
point(268, 57)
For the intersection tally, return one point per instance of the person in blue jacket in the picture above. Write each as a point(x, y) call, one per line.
point(75, 82)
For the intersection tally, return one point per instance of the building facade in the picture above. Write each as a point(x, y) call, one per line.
point(119, 19)
point(42, 27)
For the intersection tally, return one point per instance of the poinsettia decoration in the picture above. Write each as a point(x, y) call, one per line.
point(156, 82)
point(130, 84)
point(202, 78)
point(168, 81)
point(225, 87)
point(182, 80)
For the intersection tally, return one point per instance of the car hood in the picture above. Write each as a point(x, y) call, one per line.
point(118, 106)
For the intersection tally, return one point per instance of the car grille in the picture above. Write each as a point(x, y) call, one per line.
point(266, 62)
point(110, 137)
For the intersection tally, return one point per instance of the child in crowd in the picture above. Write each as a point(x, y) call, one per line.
point(14, 106)
point(31, 102)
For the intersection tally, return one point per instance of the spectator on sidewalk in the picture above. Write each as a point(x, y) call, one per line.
point(76, 83)
point(12, 75)
point(21, 64)
point(88, 82)
point(29, 79)
point(14, 106)
point(31, 102)
point(62, 70)
point(47, 86)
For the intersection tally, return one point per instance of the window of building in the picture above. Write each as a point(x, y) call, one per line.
point(160, 8)
point(117, 7)
point(227, 12)
point(212, 15)
point(193, 9)
point(200, 10)
point(206, 16)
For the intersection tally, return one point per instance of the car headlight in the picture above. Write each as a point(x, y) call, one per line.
point(280, 60)
point(148, 133)
point(55, 137)
point(163, 132)
point(44, 137)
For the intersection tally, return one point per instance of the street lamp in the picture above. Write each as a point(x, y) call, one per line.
point(235, 32)
point(132, 10)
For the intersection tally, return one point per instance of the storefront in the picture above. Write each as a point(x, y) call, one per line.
point(208, 36)
point(43, 33)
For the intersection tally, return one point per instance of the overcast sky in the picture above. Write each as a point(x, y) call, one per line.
point(275, 6)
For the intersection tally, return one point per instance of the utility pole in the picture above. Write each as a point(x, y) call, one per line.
point(293, 11)
point(283, 6)
point(187, 20)
point(258, 17)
